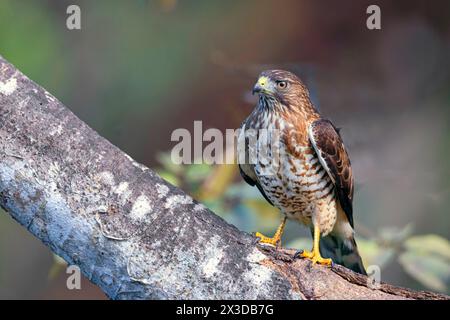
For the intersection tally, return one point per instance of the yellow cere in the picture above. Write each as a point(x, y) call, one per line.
point(262, 81)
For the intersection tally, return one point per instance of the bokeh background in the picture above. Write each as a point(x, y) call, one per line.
point(140, 69)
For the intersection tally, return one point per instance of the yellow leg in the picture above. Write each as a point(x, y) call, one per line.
point(314, 254)
point(276, 239)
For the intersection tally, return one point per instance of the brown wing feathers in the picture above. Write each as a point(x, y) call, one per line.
point(332, 154)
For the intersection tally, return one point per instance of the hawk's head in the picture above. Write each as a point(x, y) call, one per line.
point(279, 87)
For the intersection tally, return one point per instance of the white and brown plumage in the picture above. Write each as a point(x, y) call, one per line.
point(313, 182)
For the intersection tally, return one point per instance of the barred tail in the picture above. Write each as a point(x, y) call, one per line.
point(343, 251)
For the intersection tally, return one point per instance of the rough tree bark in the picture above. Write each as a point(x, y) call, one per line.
point(130, 232)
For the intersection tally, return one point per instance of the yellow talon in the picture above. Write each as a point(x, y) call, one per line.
point(314, 255)
point(276, 239)
point(266, 240)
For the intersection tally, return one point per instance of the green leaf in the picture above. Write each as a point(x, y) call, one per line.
point(432, 271)
point(165, 159)
point(169, 177)
point(197, 172)
point(429, 244)
point(59, 264)
point(427, 259)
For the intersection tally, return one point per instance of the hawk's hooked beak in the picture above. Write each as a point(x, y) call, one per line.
point(261, 85)
point(256, 89)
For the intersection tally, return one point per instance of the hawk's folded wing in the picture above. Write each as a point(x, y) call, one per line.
point(334, 158)
point(246, 169)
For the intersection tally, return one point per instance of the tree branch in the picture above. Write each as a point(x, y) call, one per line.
point(130, 232)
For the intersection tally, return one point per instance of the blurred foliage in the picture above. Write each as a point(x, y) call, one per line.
point(216, 187)
point(44, 65)
point(426, 258)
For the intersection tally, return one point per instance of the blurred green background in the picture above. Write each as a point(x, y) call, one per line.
point(139, 69)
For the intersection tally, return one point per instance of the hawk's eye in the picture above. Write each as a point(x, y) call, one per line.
point(282, 84)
